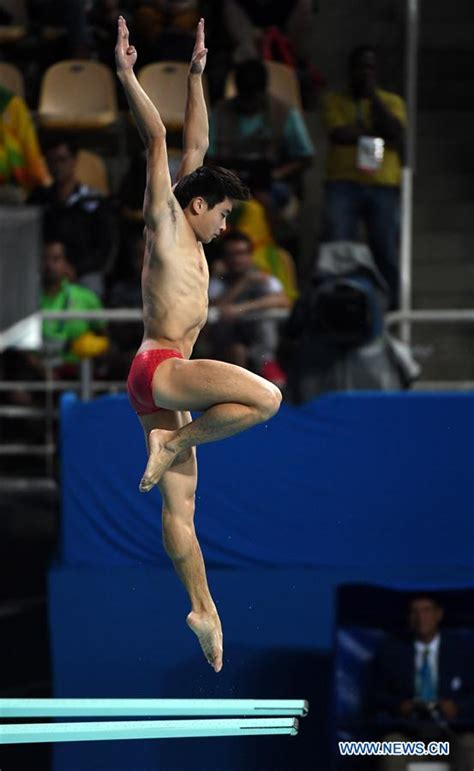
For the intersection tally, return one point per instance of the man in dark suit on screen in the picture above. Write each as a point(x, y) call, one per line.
point(424, 687)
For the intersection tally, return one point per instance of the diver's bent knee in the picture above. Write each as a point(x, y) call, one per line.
point(269, 404)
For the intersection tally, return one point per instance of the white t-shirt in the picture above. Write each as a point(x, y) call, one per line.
point(271, 285)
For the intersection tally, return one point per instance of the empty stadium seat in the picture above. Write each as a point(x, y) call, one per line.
point(166, 85)
point(77, 95)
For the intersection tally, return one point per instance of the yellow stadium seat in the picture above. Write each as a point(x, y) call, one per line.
point(77, 95)
point(50, 34)
point(166, 83)
point(91, 170)
point(11, 33)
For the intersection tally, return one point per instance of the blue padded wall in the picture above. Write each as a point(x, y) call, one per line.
point(347, 480)
point(352, 488)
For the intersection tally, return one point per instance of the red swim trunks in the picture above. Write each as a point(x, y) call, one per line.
point(140, 377)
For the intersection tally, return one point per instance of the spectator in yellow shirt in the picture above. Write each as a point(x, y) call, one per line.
point(22, 166)
point(365, 127)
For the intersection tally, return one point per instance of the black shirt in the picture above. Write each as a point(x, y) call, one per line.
point(85, 222)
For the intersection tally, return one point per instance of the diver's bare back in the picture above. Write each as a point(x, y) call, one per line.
point(175, 281)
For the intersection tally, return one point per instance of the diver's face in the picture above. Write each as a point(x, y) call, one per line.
point(210, 223)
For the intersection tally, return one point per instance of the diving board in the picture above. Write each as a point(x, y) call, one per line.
point(12, 708)
point(144, 729)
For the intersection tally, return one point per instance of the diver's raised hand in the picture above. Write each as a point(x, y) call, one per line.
point(199, 56)
point(125, 54)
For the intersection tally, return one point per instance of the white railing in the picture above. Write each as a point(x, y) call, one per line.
point(404, 319)
point(87, 386)
point(136, 314)
point(406, 226)
point(394, 317)
point(431, 316)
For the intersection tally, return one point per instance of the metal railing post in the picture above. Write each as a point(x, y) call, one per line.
point(406, 234)
point(86, 379)
point(49, 415)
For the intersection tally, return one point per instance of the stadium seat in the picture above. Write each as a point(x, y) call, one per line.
point(91, 170)
point(11, 33)
point(282, 83)
point(166, 83)
point(77, 95)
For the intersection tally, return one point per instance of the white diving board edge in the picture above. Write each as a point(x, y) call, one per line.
point(144, 729)
point(11, 708)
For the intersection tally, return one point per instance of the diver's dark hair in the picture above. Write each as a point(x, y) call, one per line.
point(212, 183)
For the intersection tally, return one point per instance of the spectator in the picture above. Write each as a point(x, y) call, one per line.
point(71, 338)
point(102, 18)
point(365, 130)
point(246, 21)
point(240, 290)
point(131, 190)
point(127, 292)
point(125, 337)
point(219, 42)
point(263, 138)
point(425, 680)
point(335, 338)
point(22, 165)
point(278, 31)
point(250, 217)
point(72, 17)
point(64, 342)
point(80, 214)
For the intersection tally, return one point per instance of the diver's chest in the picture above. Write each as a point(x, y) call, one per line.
point(194, 272)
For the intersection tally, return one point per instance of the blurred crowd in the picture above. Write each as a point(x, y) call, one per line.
point(309, 325)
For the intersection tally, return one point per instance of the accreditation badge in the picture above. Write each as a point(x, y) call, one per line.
point(370, 152)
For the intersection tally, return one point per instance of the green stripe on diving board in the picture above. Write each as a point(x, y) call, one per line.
point(152, 707)
point(143, 729)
